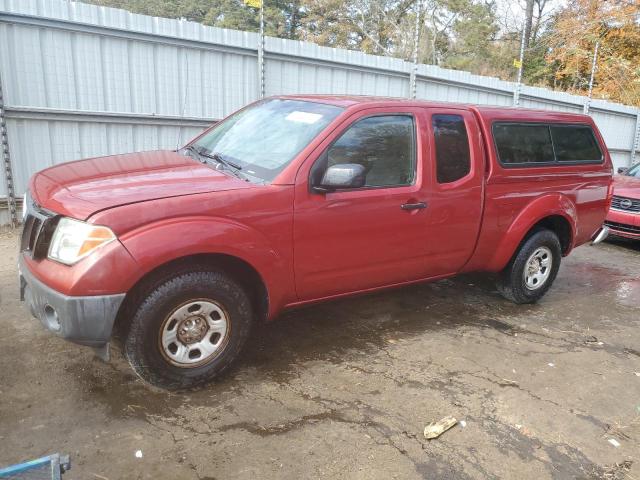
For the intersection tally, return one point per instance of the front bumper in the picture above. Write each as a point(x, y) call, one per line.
point(85, 320)
point(623, 230)
point(623, 223)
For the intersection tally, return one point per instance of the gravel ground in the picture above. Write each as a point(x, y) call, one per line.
point(345, 389)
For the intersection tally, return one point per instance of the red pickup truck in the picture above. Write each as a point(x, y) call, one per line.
point(297, 199)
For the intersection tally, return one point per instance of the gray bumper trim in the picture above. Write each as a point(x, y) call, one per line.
point(84, 320)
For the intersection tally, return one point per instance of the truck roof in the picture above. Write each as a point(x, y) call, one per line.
point(487, 113)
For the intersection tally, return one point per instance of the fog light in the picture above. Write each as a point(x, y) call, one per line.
point(51, 317)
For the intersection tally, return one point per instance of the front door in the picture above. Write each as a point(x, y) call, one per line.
point(355, 239)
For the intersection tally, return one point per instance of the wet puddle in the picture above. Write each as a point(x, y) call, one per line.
point(599, 280)
point(334, 331)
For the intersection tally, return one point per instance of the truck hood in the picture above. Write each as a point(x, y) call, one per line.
point(626, 186)
point(80, 189)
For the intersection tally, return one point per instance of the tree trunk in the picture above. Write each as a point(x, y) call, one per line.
point(528, 23)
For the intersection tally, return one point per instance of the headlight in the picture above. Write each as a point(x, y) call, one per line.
point(74, 240)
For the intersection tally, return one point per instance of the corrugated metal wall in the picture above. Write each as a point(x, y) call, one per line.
point(81, 81)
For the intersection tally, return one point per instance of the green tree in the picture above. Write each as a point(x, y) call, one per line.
point(472, 36)
point(371, 26)
point(194, 10)
point(282, 18)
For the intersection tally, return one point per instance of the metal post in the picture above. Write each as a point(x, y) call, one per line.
point(587, 104)
point(414, 69)
point(516, 92)
point(635, 146)
point(261, 50)
point(8, 172)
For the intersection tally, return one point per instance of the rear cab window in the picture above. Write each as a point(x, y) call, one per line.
point(575, 143)
point(535, 144)
point(453, 157)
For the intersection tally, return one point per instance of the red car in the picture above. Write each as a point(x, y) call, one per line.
point(623, 218)
point(298, 199)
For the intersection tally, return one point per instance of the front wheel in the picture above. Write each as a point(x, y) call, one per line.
point(188, 330)
point(533, 268)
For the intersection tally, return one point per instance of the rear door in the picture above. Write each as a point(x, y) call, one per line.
point(456, 189)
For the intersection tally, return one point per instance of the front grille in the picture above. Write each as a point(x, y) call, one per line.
point(30, 232)
point(625, 204)
point(37, 230)
point(622, 227)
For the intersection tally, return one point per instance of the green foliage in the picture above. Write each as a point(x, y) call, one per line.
point(474, 31)
point(282, 18)
point(194, 10)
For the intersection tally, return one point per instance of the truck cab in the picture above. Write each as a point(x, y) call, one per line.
point(298, 199)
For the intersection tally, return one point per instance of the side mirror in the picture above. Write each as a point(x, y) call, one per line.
point(622, 170)
point(345, 175)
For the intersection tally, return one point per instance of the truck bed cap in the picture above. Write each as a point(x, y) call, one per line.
point(486, 112)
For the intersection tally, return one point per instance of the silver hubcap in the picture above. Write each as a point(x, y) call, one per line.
point(194, 333)
point(538, 268)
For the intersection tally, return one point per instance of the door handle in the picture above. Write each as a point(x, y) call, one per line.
point(413, 206)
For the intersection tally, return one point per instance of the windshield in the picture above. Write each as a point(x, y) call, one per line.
point(634, 171)
point(263, 139)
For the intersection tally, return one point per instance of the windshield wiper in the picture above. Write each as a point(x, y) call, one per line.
point(218, 158)
point(193, 149)
point(201, 152)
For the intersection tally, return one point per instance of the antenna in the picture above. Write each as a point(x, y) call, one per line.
point(184, 102)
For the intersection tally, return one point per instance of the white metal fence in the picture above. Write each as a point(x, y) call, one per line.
point(81, 81)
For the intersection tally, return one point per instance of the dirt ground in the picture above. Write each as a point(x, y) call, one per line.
point(345, 389)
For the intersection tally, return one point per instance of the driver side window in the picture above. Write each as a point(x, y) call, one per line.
point(384, 145)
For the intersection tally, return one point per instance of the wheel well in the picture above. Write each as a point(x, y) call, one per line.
point(557, 224)
point(238, 269)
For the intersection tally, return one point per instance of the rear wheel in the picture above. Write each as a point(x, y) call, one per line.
point(533, 268)
point(188, 330)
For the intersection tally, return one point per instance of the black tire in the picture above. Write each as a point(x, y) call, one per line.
point(511, 281)
point(142, 346)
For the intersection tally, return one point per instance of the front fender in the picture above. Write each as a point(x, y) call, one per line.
point(160, 242)
point(535, 211)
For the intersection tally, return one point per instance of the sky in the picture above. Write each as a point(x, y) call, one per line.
point(513, 12)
